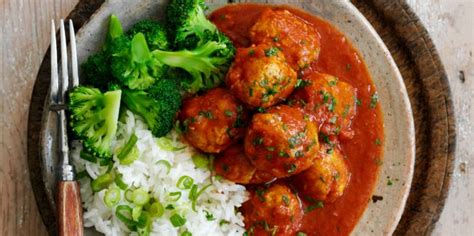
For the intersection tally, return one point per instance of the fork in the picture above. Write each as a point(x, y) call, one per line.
point(69, 208)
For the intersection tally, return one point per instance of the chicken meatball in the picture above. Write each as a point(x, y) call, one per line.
point(235, 166)
point(299, 41)
point(260, 77)
point(213, 121)
point(281, 141)
point(272, 211)
point(326, 179)
point(331, 101)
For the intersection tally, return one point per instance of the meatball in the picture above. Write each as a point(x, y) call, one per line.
point(260, 77)
point(235, 166)
point(332, 102)
point(273, 211)
point(326, 179)
point(213, 121)
point(281, 141)
point(299, 41)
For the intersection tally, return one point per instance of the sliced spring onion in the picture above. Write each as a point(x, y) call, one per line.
point(167, 144)
point(200, 160)
point(88, 157)
point(144, 220)
point(102, 182)
point(194, 194)
point(156, 209)
point(140, 197)
point(131, 157)
point(82, 174)
point(105, 162)
point(136, 212)
point(112, 197)
point(177, 220)
point(128, 195)
point(119, 182)
point(165, 163)
point(124, 214)
point(128, 147)
point(186, 233)
point(175, 196)
point(185, 182)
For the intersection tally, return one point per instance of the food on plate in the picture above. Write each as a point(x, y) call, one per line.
point(260, 76)
point(181, 133)
point(332, 103)
point(273, 210)
point(327, 178)
point(213, 121)
point(298, 40)
point(281, 141)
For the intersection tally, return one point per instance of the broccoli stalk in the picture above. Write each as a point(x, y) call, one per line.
point(94, 118)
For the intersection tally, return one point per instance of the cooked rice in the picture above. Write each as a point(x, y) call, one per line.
point(221, 199)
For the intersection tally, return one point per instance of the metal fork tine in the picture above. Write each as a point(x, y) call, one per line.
point(54, 65)
point(64, 70)
point(72, 41)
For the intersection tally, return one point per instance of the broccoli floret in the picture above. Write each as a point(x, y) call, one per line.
point(94, 118)
point(155, 34)
point(134, 65)
point(187, 23)
point(204, 63)
point(157, 106)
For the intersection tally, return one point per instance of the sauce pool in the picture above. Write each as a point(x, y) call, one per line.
point(364, 152)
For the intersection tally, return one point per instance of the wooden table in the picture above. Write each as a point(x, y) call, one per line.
point(24, 38)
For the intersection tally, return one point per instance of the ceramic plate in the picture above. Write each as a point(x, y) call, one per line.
point(399, 146)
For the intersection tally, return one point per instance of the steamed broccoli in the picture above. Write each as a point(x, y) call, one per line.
point(157, 106)
point(134, 65)
point(94, 118)
point(154, 32)
point(96, 69)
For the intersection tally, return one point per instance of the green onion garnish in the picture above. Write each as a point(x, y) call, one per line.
point(128, 147)
point(185, 182)
point(194, 194)
point(167, 144)
point(88, 157)
point(144, 220)
point(128, 195)
point(200, 160)
point(124, 214)
point(140, 197)
point(177, 220)
point(165, 163)
point(175, 196)
point(82, 174)
point(136, 212)
point(156, 209)
point(112, 197)
point(102, 182)
point(119, 182)
point(186, 233)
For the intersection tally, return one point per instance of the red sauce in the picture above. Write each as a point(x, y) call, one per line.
point(364, 152)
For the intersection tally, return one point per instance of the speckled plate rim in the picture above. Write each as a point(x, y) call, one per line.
point(381, 217)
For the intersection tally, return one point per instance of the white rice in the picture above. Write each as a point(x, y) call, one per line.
point(220, 199)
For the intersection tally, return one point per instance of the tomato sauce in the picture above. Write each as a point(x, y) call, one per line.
point(364, 152)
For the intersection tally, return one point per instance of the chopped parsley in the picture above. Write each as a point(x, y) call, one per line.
point(228, 113)
point(250, 92)
point(348, 66)
point(209, 216)
point(257, 141)
point(291, 168)
point(373, 100)
point(314, 205)
point(301, 83)
point(251, 52)
point(301, 234)
point(286, 200)
point(276, 39)
point(271, 51)
point(332, 82)
point(260, 192)
point(207, 114)
point(283, 154)
point(378, 142)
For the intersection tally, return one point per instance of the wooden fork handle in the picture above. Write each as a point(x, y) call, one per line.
point(69, 209)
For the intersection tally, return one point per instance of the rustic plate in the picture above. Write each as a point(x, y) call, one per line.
point(399, 150)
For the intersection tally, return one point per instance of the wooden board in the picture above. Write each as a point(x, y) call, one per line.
point(427, 87)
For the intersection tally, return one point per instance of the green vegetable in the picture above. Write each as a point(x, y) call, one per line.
point(134, 65)
point(144, 223)
point(136, 212)
point(156, 209)
point(87, 156)
point(200, 160)
point(119, 182)
point(175, 196)
point(94, 117)
point(167, 144)
point(129, 152)
point(155, 34)
point(128, 195)
point(165, 163)
point(185, 182)
point(112, 197)
point(186, 233)
point(102, 182)
point(177, 220)
point(140, 197)
point(157, 106)
point(124, 214)
point(194, 194)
